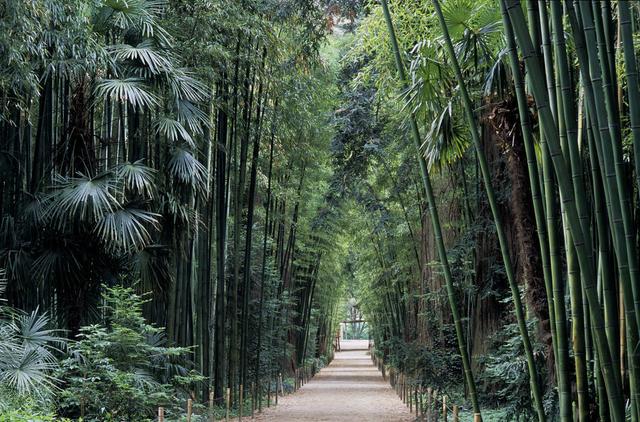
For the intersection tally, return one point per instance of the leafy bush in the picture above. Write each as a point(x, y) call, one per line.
point(506, 375)
point(29, 416)
point(27, 361)
point(121, 370)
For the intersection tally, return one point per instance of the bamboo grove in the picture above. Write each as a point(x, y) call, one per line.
point(463, 175)
point(175, 147)
point(541, 96)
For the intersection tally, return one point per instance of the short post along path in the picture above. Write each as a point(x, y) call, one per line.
point(349, 389)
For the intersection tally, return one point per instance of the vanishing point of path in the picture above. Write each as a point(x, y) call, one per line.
point(349, 389)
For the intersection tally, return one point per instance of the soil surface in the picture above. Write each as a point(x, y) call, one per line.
point(349, 389)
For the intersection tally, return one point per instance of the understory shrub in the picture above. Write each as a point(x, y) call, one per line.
point(122, 369)
point(506, 378)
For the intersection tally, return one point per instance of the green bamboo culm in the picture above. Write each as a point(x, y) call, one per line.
point(580, 238)
point(539, 21)
point(504, 247)
point(534, 181)
point(567, 125)
point(631, 72)
point(598, 81)
point(435, 221)
point(550, 260)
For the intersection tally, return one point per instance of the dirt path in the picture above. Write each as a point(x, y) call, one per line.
point(350, 389)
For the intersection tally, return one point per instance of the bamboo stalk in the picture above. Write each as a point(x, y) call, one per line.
point(502, 240)
point(585, 258)
point(435, 220)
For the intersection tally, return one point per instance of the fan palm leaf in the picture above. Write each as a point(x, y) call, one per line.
point(126, 229)
point(186, 169)
point(130, 90)
point(82, 198)
point(34, 334)
point(143, 53)
point(25, 371)
point(27, 361)
point(129, 15)
point(191, 116)
point(445, 142)
point(184, 86)
point(137, 178)
point(173, 130)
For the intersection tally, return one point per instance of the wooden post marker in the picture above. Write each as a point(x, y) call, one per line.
point(455, 413)
point(281, 383)
point(429, 394)
point(259, 388)
point(228, 400)
point(436, 412)
point(253, 399)
point(211, 401)
point(444, 408)
point(275, 396)
point(161, 414)
point(189, 409)
point(477, 417)
point(269, 392)
point(241, 403)
point(410, 401)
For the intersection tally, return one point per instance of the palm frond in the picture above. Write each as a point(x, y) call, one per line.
point(184, 86)
point(173, 130)
point(137, 178)
point(186, 169)
point(82, 198)
point(132, 14)
point(126, 229)
point(130, 90)
point(445, 141)
point(34, 334)
point(25, 371)
point(191, 116)
point(26, 359)
point(144, 53)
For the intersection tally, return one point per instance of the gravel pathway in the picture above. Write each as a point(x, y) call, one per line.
point(350, 389)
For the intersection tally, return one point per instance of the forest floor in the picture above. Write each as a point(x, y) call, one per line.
point(349, 389)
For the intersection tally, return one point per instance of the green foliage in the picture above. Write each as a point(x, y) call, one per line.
point(27, 358)
point(120, 370)
point(505, 374)
point(35, 415)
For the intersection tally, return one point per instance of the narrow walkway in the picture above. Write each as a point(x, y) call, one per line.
point(350, 389)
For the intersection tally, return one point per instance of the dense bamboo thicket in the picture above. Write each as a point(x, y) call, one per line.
point(520, 119)
point(177, 149)
point(194, 195)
